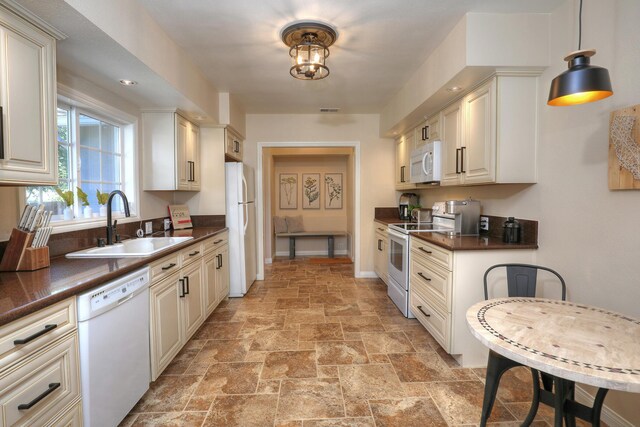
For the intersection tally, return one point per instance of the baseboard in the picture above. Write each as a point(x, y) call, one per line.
point(310, 253)
point(609, 416)
point(366, 275)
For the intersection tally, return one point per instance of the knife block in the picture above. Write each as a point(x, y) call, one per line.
point(20, 256)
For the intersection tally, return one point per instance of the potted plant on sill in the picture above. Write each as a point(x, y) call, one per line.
point(84, 198)
point(67, 198)
point(102, 201)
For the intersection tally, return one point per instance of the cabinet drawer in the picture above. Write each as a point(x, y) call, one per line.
point(437, 323)
point(164, 267)
point(35, 331)
point(215, 242)
point(72, 417)
point(428, 252)
point(191, 254)
point(432, 283)
point(42, 386)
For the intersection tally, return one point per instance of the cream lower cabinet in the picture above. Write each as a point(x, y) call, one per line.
point(381, 256)
point(192, 296)
point(165, 323)
point(443, 285)
point(216, 271)
point(39, 372)
point(28, 153)
point(222, 274)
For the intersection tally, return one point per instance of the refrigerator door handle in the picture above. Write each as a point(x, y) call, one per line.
point(245, 208)
point(245, 190)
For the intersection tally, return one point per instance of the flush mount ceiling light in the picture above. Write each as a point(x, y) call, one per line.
point(582, 82)
point(308, 44)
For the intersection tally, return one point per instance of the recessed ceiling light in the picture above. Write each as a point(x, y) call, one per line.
point(126, 82)
point(454, 89)
point(329, 110)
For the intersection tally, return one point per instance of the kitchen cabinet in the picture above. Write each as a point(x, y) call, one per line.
point(404, 145)
point(216, 271)
point(381, 257)
point(490, 136)
point(182, 294)
point(39, 367)
point(171, 152)
point(443, 284)
point(28, 150)
point(233, 146)
point(428, 131)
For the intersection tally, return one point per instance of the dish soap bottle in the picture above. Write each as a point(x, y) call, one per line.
point(511, 231)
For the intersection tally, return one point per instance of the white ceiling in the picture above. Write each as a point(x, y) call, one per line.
point(237, 45)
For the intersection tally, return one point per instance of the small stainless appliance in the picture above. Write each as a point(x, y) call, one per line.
point(406, 201)
point(511, 231)
point(469, 211)
point(426, 163)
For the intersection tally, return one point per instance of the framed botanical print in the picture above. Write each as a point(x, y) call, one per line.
point(333, 193)
point(288, 191)
point(311, 191)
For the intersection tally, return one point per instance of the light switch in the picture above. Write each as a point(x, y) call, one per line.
point(148, 227)
point(484, 223)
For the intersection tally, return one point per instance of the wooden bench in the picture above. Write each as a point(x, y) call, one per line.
point(293, 236)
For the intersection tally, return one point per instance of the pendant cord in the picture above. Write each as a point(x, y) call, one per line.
point(580, 27)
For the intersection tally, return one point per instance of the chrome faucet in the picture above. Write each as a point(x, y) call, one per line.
point(111, 226)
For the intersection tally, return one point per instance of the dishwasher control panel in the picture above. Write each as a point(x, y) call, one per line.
point(112, 294)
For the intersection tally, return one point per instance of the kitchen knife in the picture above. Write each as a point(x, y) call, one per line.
point(47, 234)
point(32, 215)
point(47, 218)
point(37, 238)
point(23, 217)
point(24, 220)
point(36, 219)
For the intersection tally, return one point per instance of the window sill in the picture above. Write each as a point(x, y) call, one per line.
point(88, 223)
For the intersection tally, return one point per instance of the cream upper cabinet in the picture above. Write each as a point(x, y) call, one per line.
point(495, 133)
point(404, 145)
point(451, 137)
point(428, 131)
point(28, 153)
point(171, 152)
point(233, 146)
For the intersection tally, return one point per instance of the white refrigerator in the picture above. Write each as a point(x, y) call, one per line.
point(241, 221)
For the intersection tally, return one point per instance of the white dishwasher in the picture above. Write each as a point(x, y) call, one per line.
point(113, 327)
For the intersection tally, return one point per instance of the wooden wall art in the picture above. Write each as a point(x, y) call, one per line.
point(624, 149)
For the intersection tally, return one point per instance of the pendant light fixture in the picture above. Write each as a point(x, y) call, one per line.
point(308, 44)
point(582, 82)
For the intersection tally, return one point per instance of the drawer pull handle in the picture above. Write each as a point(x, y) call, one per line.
point(47, 328)
point(25, 406)
point(217, 241)
point(194, 253)
point(168, 266)
point(422, 311)
point(424, 250)
point(428, 279)
point(381, 229)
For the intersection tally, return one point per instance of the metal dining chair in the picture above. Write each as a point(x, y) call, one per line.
point(522, 281)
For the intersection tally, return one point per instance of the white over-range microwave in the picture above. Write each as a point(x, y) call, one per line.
point(426, 163)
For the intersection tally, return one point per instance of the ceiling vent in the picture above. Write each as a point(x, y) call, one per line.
point(329, 110)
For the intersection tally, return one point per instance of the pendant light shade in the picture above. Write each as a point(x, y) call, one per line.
point(581, 83)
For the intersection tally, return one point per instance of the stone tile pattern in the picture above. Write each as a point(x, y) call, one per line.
point(313, 346)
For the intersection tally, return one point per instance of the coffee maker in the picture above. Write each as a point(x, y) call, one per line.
point(407, 200)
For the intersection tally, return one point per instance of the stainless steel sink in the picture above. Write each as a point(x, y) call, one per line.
point(131, 248)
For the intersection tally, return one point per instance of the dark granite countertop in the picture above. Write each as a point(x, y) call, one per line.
point(22, 293)
point(463, 243)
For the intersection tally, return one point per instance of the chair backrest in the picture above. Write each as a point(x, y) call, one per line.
point(522, 280)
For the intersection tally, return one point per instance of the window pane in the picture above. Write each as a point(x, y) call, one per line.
point(110, 167)
point(89, 131)
point(109, 138)
point(89, 165)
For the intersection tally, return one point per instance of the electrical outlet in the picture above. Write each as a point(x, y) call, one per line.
point(484, 223)
point(148, 227)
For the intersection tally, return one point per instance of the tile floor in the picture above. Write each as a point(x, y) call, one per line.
point(311, 346)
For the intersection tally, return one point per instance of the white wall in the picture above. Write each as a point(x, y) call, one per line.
point(376, 156)
point(590, 234)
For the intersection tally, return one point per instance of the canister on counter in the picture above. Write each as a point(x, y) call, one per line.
point(511, 231)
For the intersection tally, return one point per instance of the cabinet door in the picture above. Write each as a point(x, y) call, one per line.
point(222, 277)
point(380, 258)
point(166, 329)
point(404, 145)
point(479, 152)
point(233, 145)
point(194, 157)
point(451, 133)
point(421, 134)
point(433, 132)
point(28, 100)
point(210, 276)
point(182, 155)
point(192, 299)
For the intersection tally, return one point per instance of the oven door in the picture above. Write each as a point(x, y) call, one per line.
point(399, 258)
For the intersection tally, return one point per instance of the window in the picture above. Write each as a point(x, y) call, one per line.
point(95, 153)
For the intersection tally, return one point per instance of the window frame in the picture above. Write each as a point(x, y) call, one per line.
point(129, 156)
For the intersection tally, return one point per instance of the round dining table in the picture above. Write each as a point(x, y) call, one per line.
point(569, 341)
